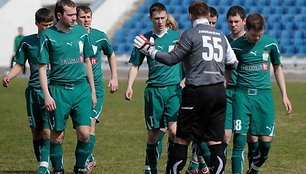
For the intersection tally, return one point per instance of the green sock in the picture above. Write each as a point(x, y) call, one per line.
point(238, 149)
point(92, 142)
point(160, 142)
point(252, 151)
point(56, 156)
point(263, 148)
point(205, 152)
point(152, 156)
point(193, 164)
point(81, 154)
point(37, 146)
point(45, 153)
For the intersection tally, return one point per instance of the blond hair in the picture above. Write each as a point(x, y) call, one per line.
point(171, 23)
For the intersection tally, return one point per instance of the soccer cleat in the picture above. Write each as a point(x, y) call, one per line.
point(78, 170)
point(90, 166)
point(58, 172)
point(204, 171)
point(43, 170)
point(192, 172)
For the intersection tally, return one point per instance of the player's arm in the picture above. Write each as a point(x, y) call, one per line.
point(231, 62)
point(280, 79)
point(49, 101)
point(113, 83)
point(90, 79)
point(13, 73)
point(133, 71)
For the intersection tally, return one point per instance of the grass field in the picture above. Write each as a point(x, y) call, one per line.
point(121, 135)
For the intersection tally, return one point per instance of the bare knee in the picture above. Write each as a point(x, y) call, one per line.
point(83, 133)
point(57, 137)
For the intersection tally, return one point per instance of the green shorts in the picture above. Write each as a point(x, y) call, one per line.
point(229, 124)
point(70, 99)
point(96, 111)
point(37, 115)
point(161, 105)
point(253, 111)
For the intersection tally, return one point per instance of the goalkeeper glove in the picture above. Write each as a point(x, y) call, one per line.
point(142, 44)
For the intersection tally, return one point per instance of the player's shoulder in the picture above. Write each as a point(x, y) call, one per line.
point(149, 34)
point(80, 28)
point(97, 32)
point(268, 39)
point(30, 37)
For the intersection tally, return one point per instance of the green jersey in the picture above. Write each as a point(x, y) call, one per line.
point(160, 74)
point(100, 42)
point(254, 61)
point(28, 50)
point(66, 53)
point(232, 81)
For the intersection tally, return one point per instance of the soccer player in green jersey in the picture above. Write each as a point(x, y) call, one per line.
point(100, 43)
point(163, 92)
point(37, 116)
point(255, 52)
point(71, 90)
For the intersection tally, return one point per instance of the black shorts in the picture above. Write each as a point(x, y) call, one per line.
point(202, 113)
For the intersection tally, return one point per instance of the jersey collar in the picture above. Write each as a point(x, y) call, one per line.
point(162, 34)
point(200, 21)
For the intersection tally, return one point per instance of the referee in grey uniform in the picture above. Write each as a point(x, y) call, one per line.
point(207, 58)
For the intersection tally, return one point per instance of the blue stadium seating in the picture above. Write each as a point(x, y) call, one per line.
point(285, 20)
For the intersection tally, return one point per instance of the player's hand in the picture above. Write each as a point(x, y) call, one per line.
point(5, 82)
point(129, 94)
point(142, 44)
point(287, 105)
point(50, 104)
point(113, 85)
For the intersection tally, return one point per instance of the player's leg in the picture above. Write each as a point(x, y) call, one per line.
point(58, 119)
point(154, 121)
point(33, 121)
point(241, 117)
point(252, 147)
point(203, 156)
point(228, 119)
point(194, 163)
point(262, 125)
point(96, 112)
point(80, 115)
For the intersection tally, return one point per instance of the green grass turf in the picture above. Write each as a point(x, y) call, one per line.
point(121, 134)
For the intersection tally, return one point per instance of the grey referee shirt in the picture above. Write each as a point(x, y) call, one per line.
point(204, 52)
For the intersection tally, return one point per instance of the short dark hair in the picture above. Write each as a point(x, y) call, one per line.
point(198, 9)
point(157, 7)
point(43, 15)
point(213, 12)
point(84, 8)
point(255, 21)
point(59, 7)
point(236, 10)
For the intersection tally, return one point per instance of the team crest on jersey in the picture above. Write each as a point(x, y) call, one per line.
point(81, 46)
point(265, 66)
point(94, 60)
point(265, 55)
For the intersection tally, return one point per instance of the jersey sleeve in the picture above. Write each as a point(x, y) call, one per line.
point(136, 57)
point(87, 49)
point(106, 47)
point(275, 53)
point(43, 49)
point(20, 57)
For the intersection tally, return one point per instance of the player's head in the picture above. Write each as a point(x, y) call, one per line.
point(236, 19)
point(198, 10)
point(43, 19)
point(65, 12)
point(84, 16)
point(171, 23)
point(255, 25)
point(20, 30)
point(213, 17)
point(158, 17)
